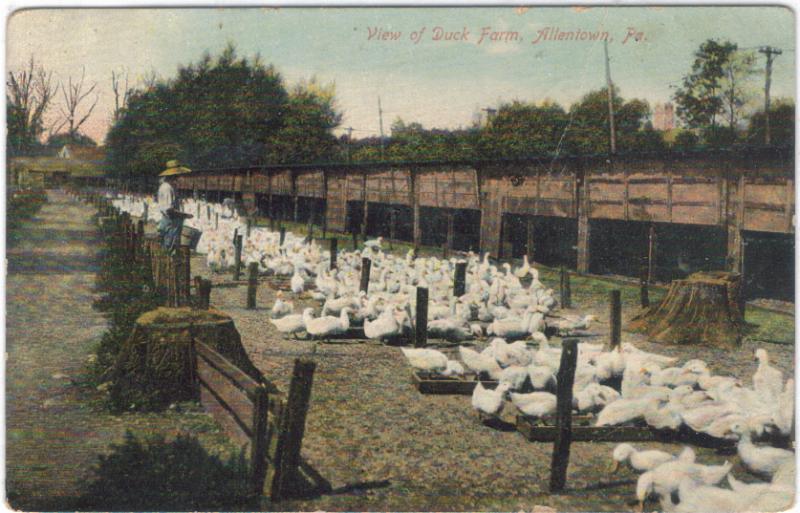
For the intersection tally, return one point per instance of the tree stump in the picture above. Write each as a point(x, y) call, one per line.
point(705, 308)
point(156, 365)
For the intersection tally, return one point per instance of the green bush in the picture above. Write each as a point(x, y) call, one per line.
point(127, 292)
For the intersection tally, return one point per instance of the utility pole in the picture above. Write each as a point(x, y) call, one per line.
point(490, 114)
point(610, 87)
point(380, 120)
point(770, 52)
point(349, 138)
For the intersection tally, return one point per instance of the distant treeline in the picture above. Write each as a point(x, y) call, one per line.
point(229, 111)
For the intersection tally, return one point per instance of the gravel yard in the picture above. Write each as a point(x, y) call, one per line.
point(384, 446)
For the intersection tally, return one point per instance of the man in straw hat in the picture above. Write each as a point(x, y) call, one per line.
point(171, 224)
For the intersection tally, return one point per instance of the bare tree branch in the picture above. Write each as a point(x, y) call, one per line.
point(74, 94)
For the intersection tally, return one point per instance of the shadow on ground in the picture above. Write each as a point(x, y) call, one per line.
point(155, 475)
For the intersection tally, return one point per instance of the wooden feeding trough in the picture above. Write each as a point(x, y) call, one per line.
point(545, 430)
point(444, 385)
point(282, 283)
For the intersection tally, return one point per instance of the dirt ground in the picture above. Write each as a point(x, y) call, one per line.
point(55, 428)
point(381, 444)
point(384, 446)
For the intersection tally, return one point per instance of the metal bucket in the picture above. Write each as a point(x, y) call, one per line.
point(190, 237)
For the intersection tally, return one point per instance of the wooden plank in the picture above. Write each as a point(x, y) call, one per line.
point(669, 196)
point(231, 372)
point(626, 433)
point(789, 205)
point(447, 386)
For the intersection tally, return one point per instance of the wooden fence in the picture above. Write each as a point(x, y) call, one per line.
point(268, 423)
point(261, 418)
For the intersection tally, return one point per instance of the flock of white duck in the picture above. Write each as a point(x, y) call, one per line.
point(495, 302)
point(650, 388)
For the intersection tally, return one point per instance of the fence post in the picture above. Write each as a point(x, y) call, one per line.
point(249, 226)
point(283, 234)
point(203, 288)
point(644, 293)
point(185, 275)
point(355, 240)
point(615, 318)
point(334, 252)
point(566, 290)
point(252, 284)
point(421, 324)
point(258, 449)
point(293, 424)
point(460, 280)
point(237, 264)
point(366, 265)
point(565, 380)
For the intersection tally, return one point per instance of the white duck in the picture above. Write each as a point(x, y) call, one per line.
point(480, 363)
point(640, 461)
point(290, 324)
point(665, 479)
point(767, 380)
point(761, 460)
point(489, 402)
point(535, 404)
point(385, 326)
point(297, 282)
point(326, 326)
point(429, 360)
point(281, 308)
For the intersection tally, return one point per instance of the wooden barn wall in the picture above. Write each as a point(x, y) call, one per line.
point(260, 181)
point(755, 194)
point(311, 184)
point(336, 201)
point(769, 201)
point(447, 187)
point(492, 184)
point(388, 186)
point(281, 182)
point(354, 186)
point(545, 190)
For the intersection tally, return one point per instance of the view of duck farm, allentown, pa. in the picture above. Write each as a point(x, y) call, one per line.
point(373, 258)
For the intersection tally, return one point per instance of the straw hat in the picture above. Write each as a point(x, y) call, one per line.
point(174, 168)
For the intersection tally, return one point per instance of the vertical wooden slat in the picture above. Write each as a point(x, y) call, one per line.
point(421, 318)
point(366, 265)
point(252, 285)
point(293, 423)
point(258, 448)
point(565, 380)
point(788, 205)
point(615, 318)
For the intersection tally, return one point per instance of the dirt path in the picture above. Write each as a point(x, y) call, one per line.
point(55, 430)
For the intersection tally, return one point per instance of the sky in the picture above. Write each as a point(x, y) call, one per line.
point(437, 66)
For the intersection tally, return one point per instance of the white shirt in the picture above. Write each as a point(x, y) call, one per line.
point(166, 198)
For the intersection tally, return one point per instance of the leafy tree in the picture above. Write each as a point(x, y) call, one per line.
point(308, 122)
point(222, 112)
point(781, 124)
point(686, 140)
point(520, 129)
point(588, 130)
point(716, 86)
point(58, 141)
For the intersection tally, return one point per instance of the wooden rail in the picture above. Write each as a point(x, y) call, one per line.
point(258, 416)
